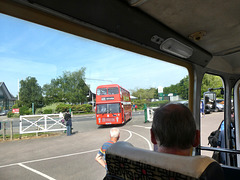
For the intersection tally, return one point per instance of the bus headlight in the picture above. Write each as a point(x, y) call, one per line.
point(99, 120)
point(117, 119)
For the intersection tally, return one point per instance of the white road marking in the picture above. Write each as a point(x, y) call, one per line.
point(74, 154)
point(55, 157)
point(142, 126)
point(129, 136)
point(37, 172)
point(149, 144)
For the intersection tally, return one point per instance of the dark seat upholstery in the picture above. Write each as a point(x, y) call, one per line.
point(127, 162)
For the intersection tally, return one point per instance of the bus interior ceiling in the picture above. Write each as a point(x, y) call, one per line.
point(201, 36)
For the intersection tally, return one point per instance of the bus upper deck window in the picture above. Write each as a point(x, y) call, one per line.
point(113, 90)
point(102, 91)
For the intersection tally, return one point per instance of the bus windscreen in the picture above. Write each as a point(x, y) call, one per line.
point(102, 91)
point(108, 108)
point(113, 90)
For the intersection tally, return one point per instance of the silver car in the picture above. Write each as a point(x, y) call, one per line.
point(219, 107)
point(3, 113)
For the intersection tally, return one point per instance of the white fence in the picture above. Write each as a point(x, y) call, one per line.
point(41, 123)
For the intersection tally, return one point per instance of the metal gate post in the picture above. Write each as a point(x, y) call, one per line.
point(45, 119)
point(145, 113)
point(4, 131)
point(11, 130)
point(20, 125)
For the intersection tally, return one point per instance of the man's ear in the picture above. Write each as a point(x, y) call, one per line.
point(153, 139)
point(197, 139)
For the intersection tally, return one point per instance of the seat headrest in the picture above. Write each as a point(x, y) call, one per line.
point(192, 166)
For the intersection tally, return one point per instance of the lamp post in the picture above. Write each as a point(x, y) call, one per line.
point(92, 103)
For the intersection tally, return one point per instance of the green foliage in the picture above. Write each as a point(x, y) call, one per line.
point(77, 107)
point(68, 88)
point(39, 111)
point(151, 93)
point(51, 106)
point(16, 115)
point(13, 115)
point(10, 114)
point(63, 107)
point(74, 108)
point(140, 103)
point(86, 107)
point(156, 103)
point(29, 135)
point(47, 111)
point(180, 88)
point(15, 106)
point(211, 81)
point(24, 110)
point(30, 92)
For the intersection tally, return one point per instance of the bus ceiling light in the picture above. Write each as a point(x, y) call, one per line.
point(176, 48)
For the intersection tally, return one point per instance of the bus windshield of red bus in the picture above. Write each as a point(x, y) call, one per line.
point(102, 91)
point(109, 91)
point(108, 108)
point(113, 90)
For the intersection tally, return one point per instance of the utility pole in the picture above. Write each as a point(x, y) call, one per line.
point(18, 89)
point(92, 103)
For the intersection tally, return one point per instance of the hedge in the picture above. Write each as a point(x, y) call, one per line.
point(74, 108)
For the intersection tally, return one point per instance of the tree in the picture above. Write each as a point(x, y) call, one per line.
point(53, 92)
point(145, 93)
point(70, 87)
point(180, 88)
point(211, 81)
point(30, 92)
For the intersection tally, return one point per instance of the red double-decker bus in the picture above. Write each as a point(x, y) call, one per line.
point(113, 105)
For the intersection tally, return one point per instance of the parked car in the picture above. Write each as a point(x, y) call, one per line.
point(221, 101)
point(219, 107)
point(4, 113)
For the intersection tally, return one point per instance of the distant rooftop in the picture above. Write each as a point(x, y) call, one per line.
point(4, 92)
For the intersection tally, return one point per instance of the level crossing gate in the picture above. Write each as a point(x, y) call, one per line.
point(41, 123)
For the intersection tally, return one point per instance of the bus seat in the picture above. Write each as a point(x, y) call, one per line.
point(124, 161)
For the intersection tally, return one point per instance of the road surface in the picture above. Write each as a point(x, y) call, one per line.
point(73, 157)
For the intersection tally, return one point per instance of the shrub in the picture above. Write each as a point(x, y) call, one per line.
point(74, 108)
point(140, 103)
point(157, 103)
point(15, 106)
point(10, 114)
point(63, 107)
point(47, 111)
point(16, 115)
point(24, 110)
point(86, 107)
point(39, 111)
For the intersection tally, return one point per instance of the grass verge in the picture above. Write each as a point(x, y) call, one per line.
point(30, 136)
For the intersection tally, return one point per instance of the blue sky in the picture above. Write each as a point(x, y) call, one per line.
point(28, 49)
